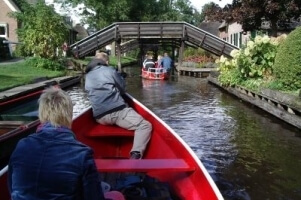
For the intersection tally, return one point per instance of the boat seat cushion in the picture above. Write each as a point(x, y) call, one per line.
point(109, 131)
point(142, 165)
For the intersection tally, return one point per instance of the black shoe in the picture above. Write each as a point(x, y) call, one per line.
point(135, 155)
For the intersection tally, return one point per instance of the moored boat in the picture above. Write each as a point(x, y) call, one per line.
point(155, 74)
point(18, 106)
point(168, 158)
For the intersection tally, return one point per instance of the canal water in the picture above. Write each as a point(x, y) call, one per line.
point(249, 153)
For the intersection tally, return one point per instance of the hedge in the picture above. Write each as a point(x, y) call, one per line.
point(287, 66)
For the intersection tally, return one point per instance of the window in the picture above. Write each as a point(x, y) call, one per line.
point(240, 39)
point(3, 30)
point(235, 39)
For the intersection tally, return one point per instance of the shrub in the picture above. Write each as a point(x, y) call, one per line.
point(254, 61)
point(257, 58)
point(196, 52)
point(44, 63)
point(287, 67)
point(229, 73)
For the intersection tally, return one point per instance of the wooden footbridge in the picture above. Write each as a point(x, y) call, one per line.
point(144, 35)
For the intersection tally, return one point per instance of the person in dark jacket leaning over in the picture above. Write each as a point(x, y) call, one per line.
point(148, 63)
point(105, 87)
point(51, 163)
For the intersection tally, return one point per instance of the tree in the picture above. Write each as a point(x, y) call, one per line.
point(207, 9)
point(101, 13)
point(42, 29)
point(250, 13)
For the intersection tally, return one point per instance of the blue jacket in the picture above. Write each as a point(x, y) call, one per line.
point(105, 88)
point(52, 164)
point(167, 62)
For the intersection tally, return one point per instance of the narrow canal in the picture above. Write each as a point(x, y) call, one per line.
point(249, 153)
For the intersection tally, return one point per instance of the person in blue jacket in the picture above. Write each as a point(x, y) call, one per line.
point(51, 163)
point(167, 62)
point(105, 87)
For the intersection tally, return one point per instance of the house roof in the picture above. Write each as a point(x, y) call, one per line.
point(82, 32)
point(223, 24)
point(11, 4)
point(211, 27)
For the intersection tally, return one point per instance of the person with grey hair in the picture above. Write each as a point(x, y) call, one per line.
point(52, 164)
point(105, 88)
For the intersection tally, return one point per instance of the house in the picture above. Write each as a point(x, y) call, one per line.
point(233, 33)
point(9, 25)
point(81, 32)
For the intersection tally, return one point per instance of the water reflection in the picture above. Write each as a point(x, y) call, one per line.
point(79, 99)
point(250, 154)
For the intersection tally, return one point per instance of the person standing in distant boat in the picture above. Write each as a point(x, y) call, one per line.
point(105, 88)
point(52, 164)
point(159, 61)
point(167, 62)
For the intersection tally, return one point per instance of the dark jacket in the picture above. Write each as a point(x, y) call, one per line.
point(105, 88)
point(167, 62)
point(148, 63)
point(52, 164)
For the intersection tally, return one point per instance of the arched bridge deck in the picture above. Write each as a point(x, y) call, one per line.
point(136, 34)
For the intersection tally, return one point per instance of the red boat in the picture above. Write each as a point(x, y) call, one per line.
point(168, 158)
point(155, 74)
point(20, 107)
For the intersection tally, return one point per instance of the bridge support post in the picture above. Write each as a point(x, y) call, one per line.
point(118, 55)
point(181, 53)
point(113, 49)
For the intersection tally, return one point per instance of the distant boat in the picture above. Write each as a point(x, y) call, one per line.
point(155, 74)
point(167, 158)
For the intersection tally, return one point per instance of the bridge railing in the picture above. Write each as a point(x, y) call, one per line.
point(94, 41)
point(152, 30)
point(208, 41)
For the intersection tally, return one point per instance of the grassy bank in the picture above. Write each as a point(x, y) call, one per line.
point(113, 61)
point(16, 74)
point(20, 73)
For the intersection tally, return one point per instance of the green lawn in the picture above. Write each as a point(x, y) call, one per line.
point(16, 74)
point(19, 73)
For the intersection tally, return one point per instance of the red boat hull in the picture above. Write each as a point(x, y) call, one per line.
point(155, 74)
point(167, 158)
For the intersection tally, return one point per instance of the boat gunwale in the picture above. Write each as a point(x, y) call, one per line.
point(185, 145)
point(162, 75)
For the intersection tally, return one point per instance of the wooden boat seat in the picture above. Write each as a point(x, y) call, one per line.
point(143, 165)
point(108, 131)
